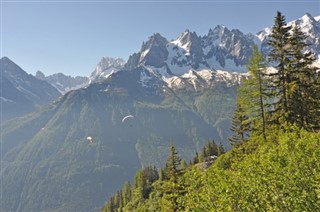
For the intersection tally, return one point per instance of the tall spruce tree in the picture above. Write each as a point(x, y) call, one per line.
point(240, 127)
point(279, 57)
point(305, 98)
point(173, 188)
point(173, 170)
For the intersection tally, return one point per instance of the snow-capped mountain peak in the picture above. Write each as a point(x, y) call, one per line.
point(307, 18)
point(308, 24)
point(192, 59)
point(105, 68)
point(185, 40)
point(215, 35)
point(154, 51)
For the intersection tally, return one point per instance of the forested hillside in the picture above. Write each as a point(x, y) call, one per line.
point(274, 163)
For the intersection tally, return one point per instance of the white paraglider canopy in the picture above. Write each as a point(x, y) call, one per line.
point(127, 117)
point(89, 139)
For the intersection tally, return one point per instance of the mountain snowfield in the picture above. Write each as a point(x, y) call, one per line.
point(105, 68)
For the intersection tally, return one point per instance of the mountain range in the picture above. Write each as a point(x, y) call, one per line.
point(62, 82)
point(73, 153)
point(220, 49)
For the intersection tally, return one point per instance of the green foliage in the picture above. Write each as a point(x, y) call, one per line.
point(214, 105)
point(253, 97)
point(282, 177)
point(279, 174)
point(294, 88)
point(240, 127)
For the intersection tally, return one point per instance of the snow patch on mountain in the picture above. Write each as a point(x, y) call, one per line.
point(144, 78)
point(183, 43)
point(204, 78)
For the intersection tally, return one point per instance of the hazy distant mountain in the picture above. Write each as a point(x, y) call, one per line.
point(64, 83)
point(22, 93)
point(105, 67)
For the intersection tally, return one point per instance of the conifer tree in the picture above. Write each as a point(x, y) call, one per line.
point(294, 87)
point(211, 148)
point(143, 182)
point(279, 57)
point(304, 101)
point(196, 158)
point(173, 188)
point(240, 126)
point(253, 98)
point(173, 165)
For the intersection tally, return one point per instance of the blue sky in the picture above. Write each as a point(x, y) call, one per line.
point(72, 36)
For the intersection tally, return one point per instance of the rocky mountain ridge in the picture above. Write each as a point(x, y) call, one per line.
point(62, 82)
point(220, 49)
point(22, 93)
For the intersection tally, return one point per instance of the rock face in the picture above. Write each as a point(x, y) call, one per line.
point(219, 49)
point(105, 67)
point(21, 92)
